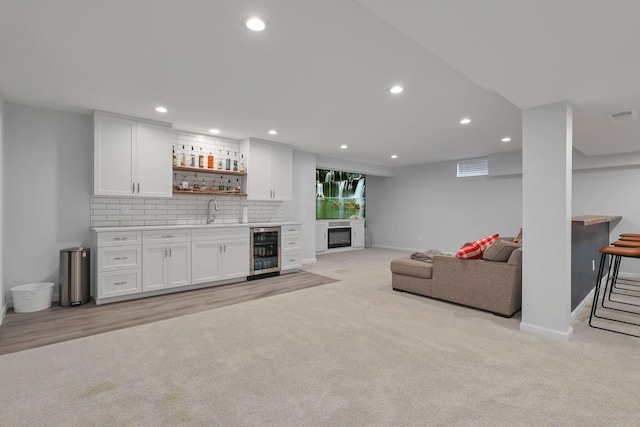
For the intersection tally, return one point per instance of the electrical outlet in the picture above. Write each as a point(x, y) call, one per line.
point(125, 209)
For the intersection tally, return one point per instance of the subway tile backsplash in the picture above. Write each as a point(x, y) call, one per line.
point(183, 209)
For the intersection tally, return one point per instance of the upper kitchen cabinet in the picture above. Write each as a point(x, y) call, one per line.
point(269, 170)
point(131, 157)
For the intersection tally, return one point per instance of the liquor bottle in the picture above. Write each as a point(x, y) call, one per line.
point(183, 157)
point(201, 159)
point(227, 162)
point(210, 161)
point(175, 158)
point(220, 165)
point(235, 162)
point(193, 158)
point(243, 166)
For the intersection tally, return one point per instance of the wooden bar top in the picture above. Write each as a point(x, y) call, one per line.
point(594, 219)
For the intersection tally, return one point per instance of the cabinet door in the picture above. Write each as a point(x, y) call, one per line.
point(179, 264)
point(114, 140)
point(154, 268)
point(357, 234)
point(205, 261)
point(321, 236)
point(235, 258)
point(153, 161)
point(280, 169)
point(258, 186)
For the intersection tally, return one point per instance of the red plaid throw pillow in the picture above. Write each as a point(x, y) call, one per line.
point(474, 250)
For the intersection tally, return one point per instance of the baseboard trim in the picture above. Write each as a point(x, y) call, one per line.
point(587, 300)
point(546, 332)
point(310, 261)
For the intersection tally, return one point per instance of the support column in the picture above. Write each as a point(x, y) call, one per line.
point(546, 220)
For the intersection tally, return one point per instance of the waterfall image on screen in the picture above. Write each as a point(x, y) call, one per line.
point(339, 195)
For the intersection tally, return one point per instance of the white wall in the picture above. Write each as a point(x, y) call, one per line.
point(48, 165)
point(613, 191)
point(3, 308)
point(428, 207)
point(303, 206)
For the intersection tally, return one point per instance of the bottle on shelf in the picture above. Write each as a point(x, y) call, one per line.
point(227, 162)
point(237, 185)
point(193, 158)
point(175, 158)
point(220, 165)
point(201, 159)
point(221, 186)
point(229, 187)
point(210, 160)
point(243, 166)
point(183, 157)
point(235, 162)
point(203, 185)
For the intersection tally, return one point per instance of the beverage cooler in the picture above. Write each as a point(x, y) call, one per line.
point(265, 251)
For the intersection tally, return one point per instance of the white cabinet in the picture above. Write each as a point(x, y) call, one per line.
point(357, 233)
point(322, 242)
point(166, 259)
point(131, 157)
point(291, 242)
point(219, 254)
point(269, 170)
point(117, 269)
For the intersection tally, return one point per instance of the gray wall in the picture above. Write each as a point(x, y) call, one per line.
point(302, 207)
point(2, 140)
point(428, 207)
point(47, 170)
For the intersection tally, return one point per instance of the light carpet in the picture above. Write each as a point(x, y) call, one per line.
point(350, 353)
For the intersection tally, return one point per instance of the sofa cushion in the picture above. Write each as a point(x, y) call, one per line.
point(475, 249)
point(518, 238)
point(499, 251)
point(412, 267)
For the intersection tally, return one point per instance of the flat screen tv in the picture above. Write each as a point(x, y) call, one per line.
point(339, 195)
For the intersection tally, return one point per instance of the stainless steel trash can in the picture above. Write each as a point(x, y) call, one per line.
point(74, 276)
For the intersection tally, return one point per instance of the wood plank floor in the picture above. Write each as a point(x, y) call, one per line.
point(21, 331)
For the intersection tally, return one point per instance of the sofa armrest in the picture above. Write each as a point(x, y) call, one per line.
point(491, 286)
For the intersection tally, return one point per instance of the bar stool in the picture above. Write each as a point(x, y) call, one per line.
point(615, 253)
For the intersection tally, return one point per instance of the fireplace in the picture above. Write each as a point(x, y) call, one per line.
point(339, 237)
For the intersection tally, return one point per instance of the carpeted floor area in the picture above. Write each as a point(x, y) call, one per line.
point(349, 353)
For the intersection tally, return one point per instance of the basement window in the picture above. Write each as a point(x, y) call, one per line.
point(473, 167)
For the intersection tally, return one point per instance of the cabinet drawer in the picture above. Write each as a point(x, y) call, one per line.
point(218, 233)
point(166, 236)
point(119, 238)
point(116, 283)
point(291, 229)
point(291, 260)
point(291, 243)
point(114, 258)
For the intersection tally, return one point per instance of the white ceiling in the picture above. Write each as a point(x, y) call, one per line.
point(320, 73)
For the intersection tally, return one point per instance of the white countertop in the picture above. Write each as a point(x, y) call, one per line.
point(192, 226)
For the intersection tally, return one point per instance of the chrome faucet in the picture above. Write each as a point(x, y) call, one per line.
point(209, 219)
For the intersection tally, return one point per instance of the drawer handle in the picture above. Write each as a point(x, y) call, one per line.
point(167, 237)
point(292, 243)
point(120, 283)
point(291, 260)
point(120, 238)
point(121, 257)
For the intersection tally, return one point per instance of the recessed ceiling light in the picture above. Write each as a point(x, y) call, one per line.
point(216, 131)
point(465, 121)
point(256, 24)
point(161, 110)
point(506, 139)
point(394, 156)
point(396, 89)
point(273, 132)
point(344, 147)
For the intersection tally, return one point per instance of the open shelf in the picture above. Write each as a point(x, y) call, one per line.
point(218, 192)
point(212, 171)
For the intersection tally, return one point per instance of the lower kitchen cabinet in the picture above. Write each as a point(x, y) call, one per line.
point(291, 248)
point(166, 266)
point(219, 254)
point(119, 282)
